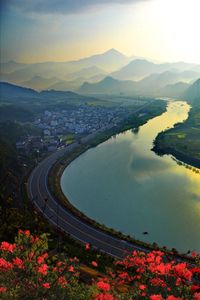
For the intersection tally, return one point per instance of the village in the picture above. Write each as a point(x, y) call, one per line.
point(62, 127)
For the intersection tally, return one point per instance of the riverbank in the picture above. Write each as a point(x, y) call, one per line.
point(182, 141)
point(56, 174)
point(155, 109)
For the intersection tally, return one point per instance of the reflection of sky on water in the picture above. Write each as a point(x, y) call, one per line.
point(144, 167)
point(125, 185)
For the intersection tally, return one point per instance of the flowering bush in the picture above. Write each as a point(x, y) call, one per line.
point(29, 271)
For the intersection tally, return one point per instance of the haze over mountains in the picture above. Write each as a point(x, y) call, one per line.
point(110, 72)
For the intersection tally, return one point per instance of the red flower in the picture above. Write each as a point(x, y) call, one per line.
point(46, 285)
point(3, 289)
point(7, 247)
point(194, 254)
point(182, 271)
point(194, 288)
point(103, 286)
point(197, 296)
point(178, 281)
point(27, 232)
point(71, 269)
point(124, 276)
point(171, 297)
point(5, 265)
point(62, 281)
point(87, 246)
point(18, 262)
point(43, 269)
point(142, 287)
point(156, 297)
point(158, 282)
point(94, 263)
point(104, 297)
point(41, 258)
point(195, 270)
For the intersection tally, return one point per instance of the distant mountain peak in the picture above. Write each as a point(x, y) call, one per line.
point(109, 79)
point(113, 51)
point(11, 61)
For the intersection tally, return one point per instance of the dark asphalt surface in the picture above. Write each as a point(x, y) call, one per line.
point(63, 219)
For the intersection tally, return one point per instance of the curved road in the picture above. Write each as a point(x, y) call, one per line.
point(65, 220)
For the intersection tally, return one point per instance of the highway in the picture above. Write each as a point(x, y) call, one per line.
point(65, 220)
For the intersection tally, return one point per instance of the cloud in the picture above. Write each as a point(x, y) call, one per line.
point(60, 6)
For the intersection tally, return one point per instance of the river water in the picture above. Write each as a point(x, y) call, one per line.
point(123, 184)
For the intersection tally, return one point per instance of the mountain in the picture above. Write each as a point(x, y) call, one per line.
point(192, 94)
point(108, 85)
point(92, 69)
point(15, 98)
point(166, 84)
point(140, 68)
point(64, 85)
point(52, 95)
point(40, 83)
point(176, 90)
point(136, 69)
point(109, 61)
point(87, 73)
point(11, 91)
point(86, 67)
point(8, 91)
point(11, 66)
point(155, 83)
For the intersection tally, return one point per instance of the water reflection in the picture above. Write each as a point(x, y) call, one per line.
point(125, 185)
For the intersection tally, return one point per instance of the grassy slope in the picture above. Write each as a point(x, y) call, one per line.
point(183, 141)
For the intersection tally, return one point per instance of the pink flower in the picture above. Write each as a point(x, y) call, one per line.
point(87, 246)
point(94, 263)
point(142, 287)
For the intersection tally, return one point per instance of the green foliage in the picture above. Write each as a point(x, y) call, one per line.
point(28, 270)
point(15, 113)
point(183, 140)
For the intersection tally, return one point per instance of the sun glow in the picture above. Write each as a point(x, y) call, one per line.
point(167, 30)
point(158, 29)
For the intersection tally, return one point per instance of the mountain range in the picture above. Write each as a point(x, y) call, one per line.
point(193, 93)
point(110, 72)
point(107, 86)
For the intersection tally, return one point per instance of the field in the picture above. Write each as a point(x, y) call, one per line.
point(183, 138)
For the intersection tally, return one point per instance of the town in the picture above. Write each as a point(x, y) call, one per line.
point(62, 127)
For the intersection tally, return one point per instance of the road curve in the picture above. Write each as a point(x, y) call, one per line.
point(64, 219)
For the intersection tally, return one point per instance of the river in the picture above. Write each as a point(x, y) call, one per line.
point(123, 184)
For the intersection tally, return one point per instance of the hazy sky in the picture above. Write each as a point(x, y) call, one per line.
point(61, 30)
